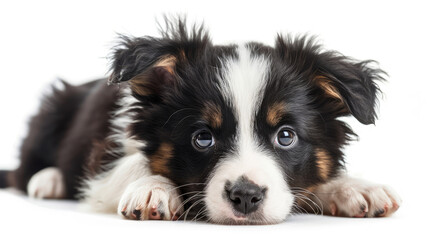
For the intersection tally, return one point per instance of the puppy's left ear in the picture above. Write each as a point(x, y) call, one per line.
point(348, 86)
point(149, 66)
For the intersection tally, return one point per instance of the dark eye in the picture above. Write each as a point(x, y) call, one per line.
point(285, 137)
point(203, 140)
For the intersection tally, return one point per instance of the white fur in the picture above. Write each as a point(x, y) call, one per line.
point(129, 181)
point(344, 196)
point(121, 119)
point(128, 185)
point(243, 81)
point(102, 193)
point(47, 183)
point(152, 192)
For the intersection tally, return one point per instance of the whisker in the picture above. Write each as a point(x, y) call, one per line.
point(189, 209)
point(319, 203)
point(183, 119)
point(306, 191)
point(300, 209)
point(185, 185)
point(183, 109)
point(193, 205)
point(305, 199)
point(181, 195)
point(200, 218)
point(186, 201)
point(209, 219)
point(203, 213)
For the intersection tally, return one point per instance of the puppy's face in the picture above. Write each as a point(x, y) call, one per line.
point(242, 129)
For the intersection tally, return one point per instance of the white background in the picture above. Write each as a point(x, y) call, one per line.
point(42, 40)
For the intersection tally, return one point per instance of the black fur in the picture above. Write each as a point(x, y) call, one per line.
point(4, 175)
point(62, 133)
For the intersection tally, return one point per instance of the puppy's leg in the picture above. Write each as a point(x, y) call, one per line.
point(350, 197)
point(153, 197)
point(130, 189)
point(47, 183)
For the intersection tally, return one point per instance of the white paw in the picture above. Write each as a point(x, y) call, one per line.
point(47, 183)
point(151, 198)
point(350, 197)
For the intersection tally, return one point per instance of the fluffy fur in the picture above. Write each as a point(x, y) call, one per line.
point(233, 134)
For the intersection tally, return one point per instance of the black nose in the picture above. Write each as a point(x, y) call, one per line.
point(245, 196)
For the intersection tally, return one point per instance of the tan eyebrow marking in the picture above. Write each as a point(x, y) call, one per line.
point(275, 113)
point(212, 113)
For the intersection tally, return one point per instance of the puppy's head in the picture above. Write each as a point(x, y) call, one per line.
point(242, 129)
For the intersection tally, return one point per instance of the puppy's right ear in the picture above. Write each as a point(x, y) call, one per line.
point(147, 63)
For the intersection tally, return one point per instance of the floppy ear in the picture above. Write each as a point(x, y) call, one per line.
point(348, 87)
point(148, 64)
point(342, 86)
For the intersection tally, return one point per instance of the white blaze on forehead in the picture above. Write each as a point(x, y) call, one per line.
point(244, 83)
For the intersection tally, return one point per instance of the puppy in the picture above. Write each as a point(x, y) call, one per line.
point(231, 134)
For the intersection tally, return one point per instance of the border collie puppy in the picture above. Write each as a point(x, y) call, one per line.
point(231, 134)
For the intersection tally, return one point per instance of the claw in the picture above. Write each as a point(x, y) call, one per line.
point(333, 209)
point(363, 213)
point(124, 211)
point(137, 214)
point(395, 206)
point(156, 213)
point(379, 213)
point(382, 212)
point(363, 208)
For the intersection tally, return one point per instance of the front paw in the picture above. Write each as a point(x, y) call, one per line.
point(356, 198)
point(150, 198)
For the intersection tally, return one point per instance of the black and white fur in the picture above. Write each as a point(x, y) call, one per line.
point(234, 134)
